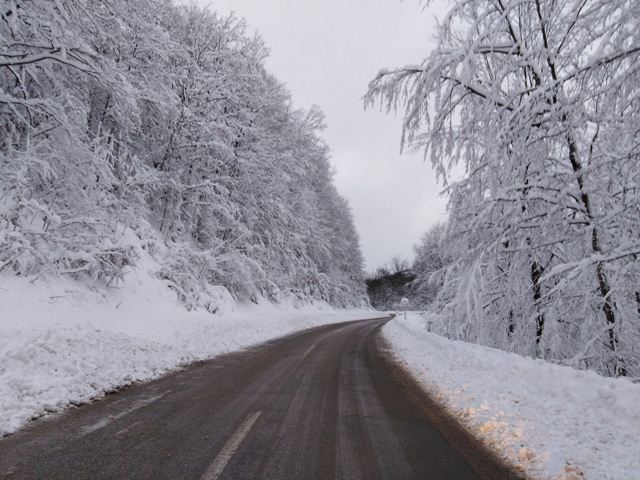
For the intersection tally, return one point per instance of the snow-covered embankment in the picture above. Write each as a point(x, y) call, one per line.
point(62, 343)
point(548, 420)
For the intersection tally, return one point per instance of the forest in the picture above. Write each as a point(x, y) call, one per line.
point(145, 127)
point(148, 128)
point(529, 111)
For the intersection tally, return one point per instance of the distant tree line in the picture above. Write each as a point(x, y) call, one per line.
point(144, 127)
point(389, 284)
point(420, 281)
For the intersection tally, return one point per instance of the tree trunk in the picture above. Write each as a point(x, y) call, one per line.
point(536, 275)
point(608, 306)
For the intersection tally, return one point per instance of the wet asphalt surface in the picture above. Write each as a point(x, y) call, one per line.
point(320, 404)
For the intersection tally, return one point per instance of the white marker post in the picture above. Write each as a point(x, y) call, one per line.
point(404, 303)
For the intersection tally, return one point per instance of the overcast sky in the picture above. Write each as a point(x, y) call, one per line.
point(326, 52)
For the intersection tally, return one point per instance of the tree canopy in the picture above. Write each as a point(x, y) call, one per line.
point(538, 102)
point(142, 124)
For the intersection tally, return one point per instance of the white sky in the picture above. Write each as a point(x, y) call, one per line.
point(326, 52)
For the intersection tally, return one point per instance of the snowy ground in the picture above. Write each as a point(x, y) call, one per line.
point(62, 343)
point(553, 422)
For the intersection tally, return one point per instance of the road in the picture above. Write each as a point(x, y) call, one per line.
point(319, 404)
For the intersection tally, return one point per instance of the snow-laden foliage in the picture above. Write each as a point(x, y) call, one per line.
point(430, 261)
point(538, 103)
point(129, 123)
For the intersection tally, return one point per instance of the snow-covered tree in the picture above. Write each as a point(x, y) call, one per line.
point(58, 186)
point(428, 265)
point(142, 124)
point(538, 100)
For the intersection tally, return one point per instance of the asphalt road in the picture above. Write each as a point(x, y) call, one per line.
point(319, 404)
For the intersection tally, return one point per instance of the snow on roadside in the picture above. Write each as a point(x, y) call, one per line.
point(63, 343)
point(551, 421)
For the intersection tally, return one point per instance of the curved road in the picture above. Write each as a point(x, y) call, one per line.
point(319, 404)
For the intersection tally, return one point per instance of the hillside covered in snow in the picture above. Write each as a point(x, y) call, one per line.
point(134, 128)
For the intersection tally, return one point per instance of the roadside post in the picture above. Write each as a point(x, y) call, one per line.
point(404, 303)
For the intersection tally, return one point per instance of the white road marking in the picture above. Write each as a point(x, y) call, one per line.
point(308, 351)
point(106, 421)
point(216, 468)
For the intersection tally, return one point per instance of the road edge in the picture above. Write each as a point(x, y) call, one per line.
point(486, 462)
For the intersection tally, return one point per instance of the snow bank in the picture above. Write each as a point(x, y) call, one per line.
point(550, 421)
point(63, 343)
